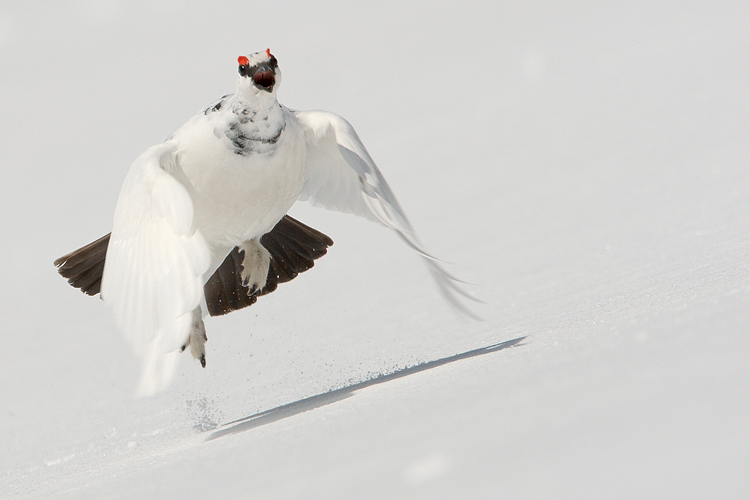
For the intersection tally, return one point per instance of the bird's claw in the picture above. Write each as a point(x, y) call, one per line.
point(197, 338)
point(255, 263)
point(251, 290)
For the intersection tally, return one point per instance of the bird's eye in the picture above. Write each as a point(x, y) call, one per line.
point(244, 65)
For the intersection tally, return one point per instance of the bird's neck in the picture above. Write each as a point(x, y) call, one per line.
point(255, 125)
point(261, 106)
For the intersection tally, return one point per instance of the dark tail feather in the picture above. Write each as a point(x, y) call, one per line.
point(293, 247)
point(84, 267)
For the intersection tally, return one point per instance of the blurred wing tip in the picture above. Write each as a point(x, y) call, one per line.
point(461, 309)
point(158, 371)
point(453, 293)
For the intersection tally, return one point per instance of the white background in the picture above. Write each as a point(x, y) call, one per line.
point(586, 165)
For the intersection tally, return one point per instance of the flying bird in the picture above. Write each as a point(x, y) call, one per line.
point(200, 225)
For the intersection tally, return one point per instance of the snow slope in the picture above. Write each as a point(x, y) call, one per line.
point(587, 165)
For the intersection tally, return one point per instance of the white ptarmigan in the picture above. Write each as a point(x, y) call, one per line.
point(201, 227)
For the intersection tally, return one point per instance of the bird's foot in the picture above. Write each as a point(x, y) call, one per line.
point(197, 338)
point(254, 265)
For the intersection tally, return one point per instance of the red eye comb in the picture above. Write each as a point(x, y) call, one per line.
point(242, 60)
point(268, 52)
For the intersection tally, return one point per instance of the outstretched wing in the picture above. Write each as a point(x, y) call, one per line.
point(342, 176)
point(154, 264)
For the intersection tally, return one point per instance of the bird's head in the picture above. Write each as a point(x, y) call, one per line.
point(259, 73)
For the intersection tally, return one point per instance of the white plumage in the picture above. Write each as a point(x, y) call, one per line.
point(224, 180)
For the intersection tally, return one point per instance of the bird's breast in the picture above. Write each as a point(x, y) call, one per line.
point(238, 197)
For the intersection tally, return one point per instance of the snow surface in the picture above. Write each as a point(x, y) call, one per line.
point(586, 164)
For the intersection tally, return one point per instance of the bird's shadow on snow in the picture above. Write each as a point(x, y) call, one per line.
point(313, 402)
